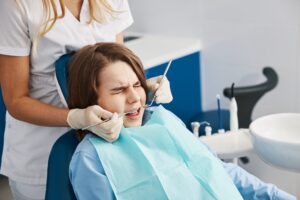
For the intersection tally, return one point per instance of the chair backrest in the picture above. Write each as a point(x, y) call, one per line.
point(2, 124)
point(62, 75)
point(58, 184)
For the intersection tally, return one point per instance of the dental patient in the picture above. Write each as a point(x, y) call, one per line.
point(155, 156)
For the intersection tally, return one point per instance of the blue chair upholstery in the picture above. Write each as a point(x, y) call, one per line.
point(61, 70)
point(58, 184)
point(2, 124)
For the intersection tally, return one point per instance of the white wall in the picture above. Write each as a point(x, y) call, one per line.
point(239, 38)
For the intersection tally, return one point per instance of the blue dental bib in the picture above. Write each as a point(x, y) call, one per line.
point(163, 160)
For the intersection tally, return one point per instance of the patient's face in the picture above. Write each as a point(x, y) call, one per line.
point(120, 91)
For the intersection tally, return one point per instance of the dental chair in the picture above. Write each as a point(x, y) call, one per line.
point(58, 184)
point(2, 124)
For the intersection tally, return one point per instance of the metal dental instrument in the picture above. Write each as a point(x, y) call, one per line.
point(164, 75)
point(106, 120)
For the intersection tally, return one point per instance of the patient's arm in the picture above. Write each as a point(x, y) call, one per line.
point(249, 186)
point(87, 175)
point(253, 188)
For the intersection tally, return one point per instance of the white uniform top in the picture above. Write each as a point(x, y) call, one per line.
point(26, 146)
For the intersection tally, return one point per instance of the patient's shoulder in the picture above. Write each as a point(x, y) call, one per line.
point(85, 147)
point(86, 154)
point(149, 111)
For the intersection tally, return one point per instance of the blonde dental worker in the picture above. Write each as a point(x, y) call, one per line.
point(33, 35)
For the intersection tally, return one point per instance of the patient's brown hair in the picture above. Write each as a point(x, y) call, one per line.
point(84, 69)
point(87, 63)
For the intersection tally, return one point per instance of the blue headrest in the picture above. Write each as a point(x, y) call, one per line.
point(62, 72)
point(58, 183)
point(2, 124)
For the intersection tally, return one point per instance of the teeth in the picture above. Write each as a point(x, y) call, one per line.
point(133, 112)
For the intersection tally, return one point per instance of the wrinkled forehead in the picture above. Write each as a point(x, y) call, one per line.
point(117, 73)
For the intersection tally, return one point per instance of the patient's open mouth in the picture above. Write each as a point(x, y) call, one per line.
point(133, 114)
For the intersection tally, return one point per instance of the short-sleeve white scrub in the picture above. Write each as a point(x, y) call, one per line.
point(27, 146)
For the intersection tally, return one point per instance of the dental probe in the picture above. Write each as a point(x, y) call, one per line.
point(106, 120)
point(164, 75)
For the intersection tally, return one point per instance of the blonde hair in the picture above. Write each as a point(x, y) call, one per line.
point(98, 10)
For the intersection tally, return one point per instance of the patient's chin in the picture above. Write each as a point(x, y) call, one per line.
point(132, 124)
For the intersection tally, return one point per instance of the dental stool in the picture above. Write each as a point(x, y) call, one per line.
point(58, 184)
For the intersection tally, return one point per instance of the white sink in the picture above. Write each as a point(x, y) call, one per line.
point(276, 139)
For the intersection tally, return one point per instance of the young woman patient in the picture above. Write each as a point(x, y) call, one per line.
point(155, 156)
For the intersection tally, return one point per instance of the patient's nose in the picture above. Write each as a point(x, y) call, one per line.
point(133, 95)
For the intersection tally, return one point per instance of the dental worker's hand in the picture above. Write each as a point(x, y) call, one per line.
point(163, 93)
point(81, 118)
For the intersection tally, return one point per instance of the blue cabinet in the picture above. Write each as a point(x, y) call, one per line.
point(184, 73)
point(184, 76)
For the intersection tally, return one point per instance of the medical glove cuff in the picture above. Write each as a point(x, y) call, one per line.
point(109, 130)
point(73, 119)
point(81, 118)
point(162, 91)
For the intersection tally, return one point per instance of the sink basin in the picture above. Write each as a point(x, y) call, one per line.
point(276, 139)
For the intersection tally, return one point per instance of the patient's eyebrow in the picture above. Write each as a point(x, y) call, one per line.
point(119, 88)
point(124, 86)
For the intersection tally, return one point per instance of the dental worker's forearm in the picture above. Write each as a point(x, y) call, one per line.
point(14, 77)
point(35, 112)
point(120, 38)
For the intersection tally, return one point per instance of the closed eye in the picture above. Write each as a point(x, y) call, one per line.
point(118, 90)
point(137, 84)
